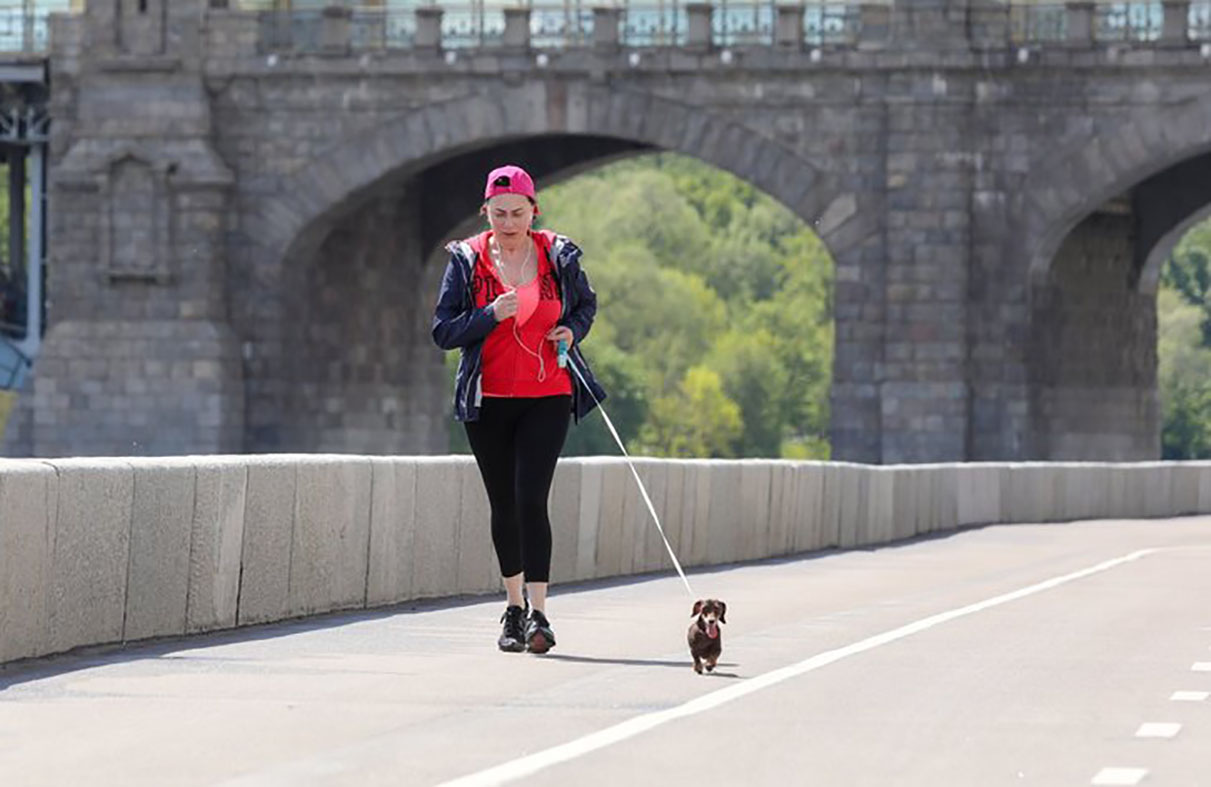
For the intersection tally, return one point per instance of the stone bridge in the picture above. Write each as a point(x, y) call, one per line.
point(247, 208)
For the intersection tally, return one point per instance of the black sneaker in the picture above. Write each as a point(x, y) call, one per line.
point(512, 638)
point(539, 636)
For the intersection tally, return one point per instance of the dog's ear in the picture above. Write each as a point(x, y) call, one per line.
point(697, 609)
point(722, 612)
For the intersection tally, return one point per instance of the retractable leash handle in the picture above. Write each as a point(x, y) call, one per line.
point(562, 357)
point(642, 489)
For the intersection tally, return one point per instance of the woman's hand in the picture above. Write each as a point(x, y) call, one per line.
point(560, 332)
point(505, 305)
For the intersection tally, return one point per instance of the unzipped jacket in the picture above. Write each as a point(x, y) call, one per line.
point(459, 323)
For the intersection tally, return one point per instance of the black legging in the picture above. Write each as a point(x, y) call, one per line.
point(516, 442)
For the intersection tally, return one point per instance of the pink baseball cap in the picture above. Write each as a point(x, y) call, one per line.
point(509, 179)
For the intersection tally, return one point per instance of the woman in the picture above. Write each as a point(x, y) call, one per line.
point(509, 296)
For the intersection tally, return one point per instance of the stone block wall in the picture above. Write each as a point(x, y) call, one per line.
point(1093, 350)
point(96, 551)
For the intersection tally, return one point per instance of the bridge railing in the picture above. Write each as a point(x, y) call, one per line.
point(551, 24)
point(23, 29)
point(104, 550)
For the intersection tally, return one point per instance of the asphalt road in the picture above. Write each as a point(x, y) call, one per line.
point(1068, 654)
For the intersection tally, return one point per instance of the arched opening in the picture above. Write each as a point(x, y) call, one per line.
point(1093, 361)
point(714, 333)
point(357, 371)
point(1184, 345)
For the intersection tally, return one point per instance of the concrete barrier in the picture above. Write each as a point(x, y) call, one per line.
point(268, 536)
point(157, 586)
point(438, 501)
point(90, 558)
point(28, 498)
point(105, 550)
point(392, 530)
point(329, 548)
point(216, 542)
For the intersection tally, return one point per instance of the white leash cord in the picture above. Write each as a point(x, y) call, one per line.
point(642, 490)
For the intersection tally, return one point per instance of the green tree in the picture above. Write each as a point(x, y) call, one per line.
point(696, 420)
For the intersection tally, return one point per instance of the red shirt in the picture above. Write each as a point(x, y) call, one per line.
point(508, 368)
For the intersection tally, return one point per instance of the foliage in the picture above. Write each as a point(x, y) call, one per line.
point(714, 328)
point(1184, 348)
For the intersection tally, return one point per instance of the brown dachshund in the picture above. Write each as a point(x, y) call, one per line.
point(706, 642)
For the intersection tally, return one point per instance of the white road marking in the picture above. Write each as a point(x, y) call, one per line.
point(1158, 729)
point(1120, 776)
point(541, 760)
point(1201, 666)
point(1190, 696)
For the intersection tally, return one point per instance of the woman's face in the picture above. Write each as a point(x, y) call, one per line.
point(510, 215)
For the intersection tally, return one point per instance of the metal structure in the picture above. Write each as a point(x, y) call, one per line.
point(24, 127)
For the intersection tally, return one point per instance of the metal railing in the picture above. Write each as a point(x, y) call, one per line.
point(558, 25)
point(743, 24)
point(1198, 23)
point(658, 25)
point(1037, 23)
point(23, 29)
point(472, 27)
point(14, 364)
point(291, 30)
point(831, 23)
point(1128, 21)
point(382, 28)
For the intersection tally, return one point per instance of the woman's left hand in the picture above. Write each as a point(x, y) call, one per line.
point(560, 332)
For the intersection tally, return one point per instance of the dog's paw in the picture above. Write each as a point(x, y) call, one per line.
point(698, 667)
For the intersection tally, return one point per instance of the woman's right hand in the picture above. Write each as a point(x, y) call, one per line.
point(505, 305)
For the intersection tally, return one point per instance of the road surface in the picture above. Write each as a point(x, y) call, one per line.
point(1063, 654)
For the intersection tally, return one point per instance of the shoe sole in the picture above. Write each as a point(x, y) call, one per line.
point(539, 644)
point(518, 648)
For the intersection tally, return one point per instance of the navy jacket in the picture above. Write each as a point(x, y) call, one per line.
point(457, 322)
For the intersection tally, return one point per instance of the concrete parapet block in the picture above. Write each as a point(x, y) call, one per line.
point(880, 504)
point(91, 554)
point(649, 553)
point(392, 530)
point(673, 514)
point(564, 507)
point(1158, 488)
point(216, 542)
point(783, 490)
point(1078, 490)
point(978, 493)
point(944, 498)
point(478, 570)
point(696, 512)
point(848, 485)
point(723, 532)
point(268, 535)
point(157, 588)
point(329, 550)
point(1131, 495)
point(1186, 488)
point(610, 547)
point(815, 517)
point(1031, 493)
point(28, 500)
point(756, 479)
point(1204, 487)
point(439, 482)
point(907, 490)
point(588, 518)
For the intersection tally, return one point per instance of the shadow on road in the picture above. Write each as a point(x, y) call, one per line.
point(686, 665)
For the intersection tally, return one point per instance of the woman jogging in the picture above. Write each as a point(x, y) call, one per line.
point(510, 298)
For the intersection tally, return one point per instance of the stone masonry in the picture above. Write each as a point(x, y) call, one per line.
point(243, 237)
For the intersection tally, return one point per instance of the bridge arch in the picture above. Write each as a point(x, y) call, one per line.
point(313, 199)
point(1071, 183)
point(1101, 215)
